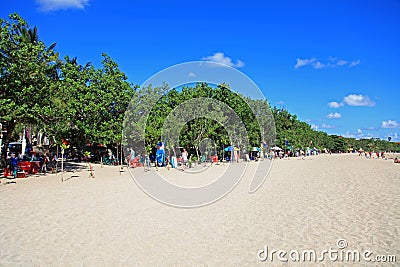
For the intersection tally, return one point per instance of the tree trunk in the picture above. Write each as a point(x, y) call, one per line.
point(197, 153)
point(6, 140)
point(173, 151)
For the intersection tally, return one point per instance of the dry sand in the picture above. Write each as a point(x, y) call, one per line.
point(109, 221)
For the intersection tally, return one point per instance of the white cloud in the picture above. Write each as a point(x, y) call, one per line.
point(280, 102)
point(358, 100)
point(390, 124)
point(334, 104)
point(53, 5)
point(318, 65)
point(354, 63)
point(352, 100)
point(335, 115)
point(358, 134)
point(219, 57)
point(348, 135)
point(303, 62)
point(326, 126)
point(239, 64)
point(331, 62)
point(323, 126)
point(192, 74)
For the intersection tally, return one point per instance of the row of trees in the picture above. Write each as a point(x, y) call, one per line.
point(190, 115)
point(178, 121)
point(300, 135)
point(59, 96)
point(84, 104)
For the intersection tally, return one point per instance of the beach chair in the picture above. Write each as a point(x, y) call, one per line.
point(136, 163)
point(21, 174)
point(7, 172)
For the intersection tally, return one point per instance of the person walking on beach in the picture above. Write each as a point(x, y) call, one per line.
point(12, 163)
point(45, 161)
point(184, 157)
point(131, 157)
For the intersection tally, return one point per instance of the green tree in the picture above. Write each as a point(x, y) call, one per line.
point(27, 69)
point(90, 102)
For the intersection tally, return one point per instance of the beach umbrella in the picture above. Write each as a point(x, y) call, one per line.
point(229, 148)
point(276, 148)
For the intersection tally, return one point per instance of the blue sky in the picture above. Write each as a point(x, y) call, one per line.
point(332, 63)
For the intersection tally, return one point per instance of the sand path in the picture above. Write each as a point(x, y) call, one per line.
point(109, 221)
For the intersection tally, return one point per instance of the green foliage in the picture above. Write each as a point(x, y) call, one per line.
point(213, 126)
point(300, 136)
point(84, 104)
point(64, 146)
point(92, 102)
point(63, 98)
point(27, 68)
point(375, 144)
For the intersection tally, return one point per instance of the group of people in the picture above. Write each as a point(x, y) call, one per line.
point(289, 153)
point(370, 154)
point(377, 155)
point(45, 163)
point(134, 160)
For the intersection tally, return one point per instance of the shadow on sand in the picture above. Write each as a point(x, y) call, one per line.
point(71, 170)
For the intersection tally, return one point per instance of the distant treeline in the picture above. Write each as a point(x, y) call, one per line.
point(84, 104)
point(286, 131)
point(300, 135)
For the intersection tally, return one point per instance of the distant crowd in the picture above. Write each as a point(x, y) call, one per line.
point(371, 154)
point(376, 155)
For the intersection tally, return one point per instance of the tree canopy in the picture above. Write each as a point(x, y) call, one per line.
point(61, 97)
point(85, 104)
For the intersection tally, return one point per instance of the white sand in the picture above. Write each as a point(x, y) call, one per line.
point(109, 221)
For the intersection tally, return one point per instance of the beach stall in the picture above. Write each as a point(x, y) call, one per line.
point(255, 153)
point(228, 151)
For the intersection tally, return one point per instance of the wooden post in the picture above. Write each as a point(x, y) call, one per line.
point(62, 164)
point(121, 156)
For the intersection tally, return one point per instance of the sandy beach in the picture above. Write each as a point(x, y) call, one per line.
point(109, 221)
